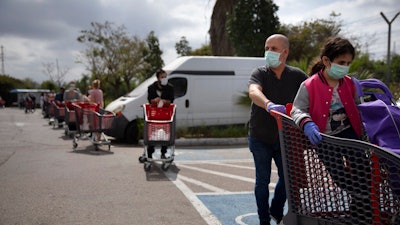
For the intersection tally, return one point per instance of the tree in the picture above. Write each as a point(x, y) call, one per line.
point(220, 43)
point(112, 56)
point(7, 83)
point(132, 55)
point(54, 72)
point(49, 84)
point(307, 38)
point(250, 23)
point(203, 50)
point(153, 57)
point(182, 47)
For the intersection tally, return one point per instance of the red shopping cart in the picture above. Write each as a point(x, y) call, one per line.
point(69, 119)
point(90, 121)
point(59, 113)
point(340, 181)
point(159, 130)
point(50, 112)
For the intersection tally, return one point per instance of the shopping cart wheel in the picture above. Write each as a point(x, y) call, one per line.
point(142, 159)
point(74, 143)
point(147, 166)
point(165, 166)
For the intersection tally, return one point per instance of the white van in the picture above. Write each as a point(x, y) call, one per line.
point(207, 89)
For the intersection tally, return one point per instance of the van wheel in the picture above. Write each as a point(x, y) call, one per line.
point(131, 134)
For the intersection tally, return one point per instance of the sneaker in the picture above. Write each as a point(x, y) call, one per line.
point(277, 219)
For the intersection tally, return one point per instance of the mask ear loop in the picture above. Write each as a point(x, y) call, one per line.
point(326, 60)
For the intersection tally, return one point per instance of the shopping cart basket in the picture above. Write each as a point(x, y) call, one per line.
point(90, 120)
point(340, 181)
point(50, 112)
point(59, 113)
point(69, 119)
point(159, 130)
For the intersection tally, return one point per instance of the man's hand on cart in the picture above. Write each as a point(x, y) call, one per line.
point(158, 102)
point(311, 130)
point(276, 107)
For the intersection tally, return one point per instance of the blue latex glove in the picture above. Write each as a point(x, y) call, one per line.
point(276, 107)
point(311, 130)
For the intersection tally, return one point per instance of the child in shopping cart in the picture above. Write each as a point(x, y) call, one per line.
point(160, 93)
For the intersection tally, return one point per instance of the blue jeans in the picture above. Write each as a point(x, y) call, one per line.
point(263, 154)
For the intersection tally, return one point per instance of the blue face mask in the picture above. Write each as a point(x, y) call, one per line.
point(338, 71)
point(272, 58)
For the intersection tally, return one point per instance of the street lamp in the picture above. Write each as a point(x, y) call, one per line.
point(388, 49)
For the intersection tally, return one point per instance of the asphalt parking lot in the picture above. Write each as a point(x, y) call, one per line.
point(44, 181)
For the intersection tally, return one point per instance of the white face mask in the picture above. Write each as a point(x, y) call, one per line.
point(272, 58)
point(164, 81)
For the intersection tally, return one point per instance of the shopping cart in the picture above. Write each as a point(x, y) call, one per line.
point(340, 181)
point(50, 112)
point(59, 113)
point(159, 130)
point(69, 119)
point(90, 121)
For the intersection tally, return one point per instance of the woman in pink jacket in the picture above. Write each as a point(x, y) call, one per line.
point(96, 96)
point(327, 102)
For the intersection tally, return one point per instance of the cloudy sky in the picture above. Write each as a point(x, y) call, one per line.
point(33, 32)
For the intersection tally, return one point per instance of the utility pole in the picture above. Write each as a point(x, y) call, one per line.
point(2, 61)
point(388, 49)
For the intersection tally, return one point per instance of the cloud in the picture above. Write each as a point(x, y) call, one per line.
point(33, 32)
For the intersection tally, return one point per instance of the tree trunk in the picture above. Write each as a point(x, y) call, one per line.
point(220, 43)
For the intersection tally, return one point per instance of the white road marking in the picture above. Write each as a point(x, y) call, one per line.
point(18, 124)
point(239, 221)
point(251, 180)
point(231, 165)
point(198, 205)
point(204, 185)
point(204, 212)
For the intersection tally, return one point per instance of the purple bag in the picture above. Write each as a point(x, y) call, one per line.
point(380, 116)
point(382, 124)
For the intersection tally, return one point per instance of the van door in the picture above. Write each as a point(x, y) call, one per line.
point(211, 101)
point(181, 100)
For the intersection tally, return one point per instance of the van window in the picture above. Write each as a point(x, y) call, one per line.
point(180, 86)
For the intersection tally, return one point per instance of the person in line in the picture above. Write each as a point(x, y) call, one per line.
point(72, 94)
point(327, 103)
point(59, 98)
point(96, 96)
point(160, 93)
point(60, 95)
point(271, 87)
point(330, 84)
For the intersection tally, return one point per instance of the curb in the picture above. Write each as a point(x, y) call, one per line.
point(208, 141)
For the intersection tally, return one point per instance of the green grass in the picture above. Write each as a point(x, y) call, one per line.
point(228, 131)
point(213, 132)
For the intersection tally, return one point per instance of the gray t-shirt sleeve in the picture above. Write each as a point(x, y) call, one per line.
point(301, 105)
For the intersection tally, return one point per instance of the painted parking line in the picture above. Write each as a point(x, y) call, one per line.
point(219, 206)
